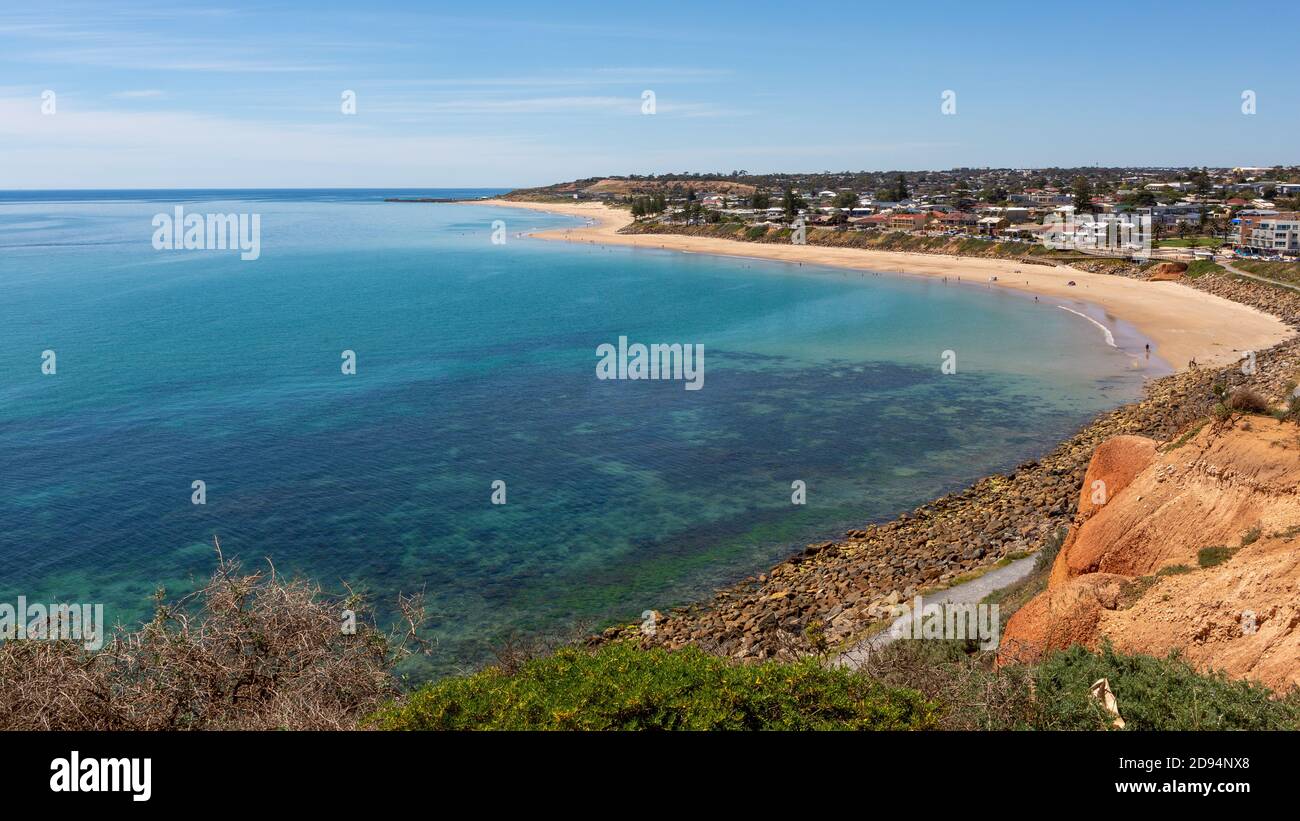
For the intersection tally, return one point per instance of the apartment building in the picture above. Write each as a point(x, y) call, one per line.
point(909, 222)
point(1272, 233)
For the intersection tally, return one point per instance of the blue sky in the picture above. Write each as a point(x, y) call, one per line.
point(455, 94)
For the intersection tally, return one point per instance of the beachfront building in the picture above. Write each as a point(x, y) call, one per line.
point(870, 221)
point(1030, 231)
point(1011, 213)
point(957, 220)
point(909, 222)
point(1270, 233)
point(1123, 233)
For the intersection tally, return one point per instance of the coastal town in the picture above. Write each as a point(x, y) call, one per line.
point(1246, 212)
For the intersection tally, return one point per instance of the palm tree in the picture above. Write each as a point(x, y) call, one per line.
point(1207, 225)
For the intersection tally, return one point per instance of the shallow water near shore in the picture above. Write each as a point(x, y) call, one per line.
point(477, 362)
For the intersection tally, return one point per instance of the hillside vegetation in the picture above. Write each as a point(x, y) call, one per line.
point(622, 687)
point(626, 187)
point(1288, 272)
point(916, 685)
point(256, 651)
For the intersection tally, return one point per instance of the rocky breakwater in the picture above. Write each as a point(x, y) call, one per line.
point(1191, 546)
point(1280, 302)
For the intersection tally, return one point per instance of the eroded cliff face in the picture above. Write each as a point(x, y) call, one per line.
point(1131, 568)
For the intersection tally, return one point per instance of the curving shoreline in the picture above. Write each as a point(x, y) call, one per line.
point(1182, 323)
point(833, 594)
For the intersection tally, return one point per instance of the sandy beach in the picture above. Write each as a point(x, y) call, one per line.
point(1182, 323)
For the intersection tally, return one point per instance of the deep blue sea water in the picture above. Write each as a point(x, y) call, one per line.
point(476, 362)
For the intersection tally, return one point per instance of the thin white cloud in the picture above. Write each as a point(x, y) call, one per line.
point(495, 103)
point(80, 148)
point(168, 58)
point(116, 42)
point(576, 76)
point(522, 105)
point(677, 72)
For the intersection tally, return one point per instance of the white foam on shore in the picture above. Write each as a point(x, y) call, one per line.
point(1110, 337)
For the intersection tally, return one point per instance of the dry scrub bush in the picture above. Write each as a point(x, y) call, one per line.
point(976, 694)
point(1248, 400)
point(246, 651)
point(516, 649)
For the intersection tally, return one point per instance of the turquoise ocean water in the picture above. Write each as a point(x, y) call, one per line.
point(476, 362)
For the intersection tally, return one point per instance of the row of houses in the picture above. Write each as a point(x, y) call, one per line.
point(917, 221)
point(1030, 215)
point(1266, 232)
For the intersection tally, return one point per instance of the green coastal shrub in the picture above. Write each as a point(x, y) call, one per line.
point(1184, 438)
point(913, 685)
point(1154, 694)
point(1212, 556)
point(1201, 267)
point(622, 687)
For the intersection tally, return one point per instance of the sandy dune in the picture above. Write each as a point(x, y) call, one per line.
point(1182, 323)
